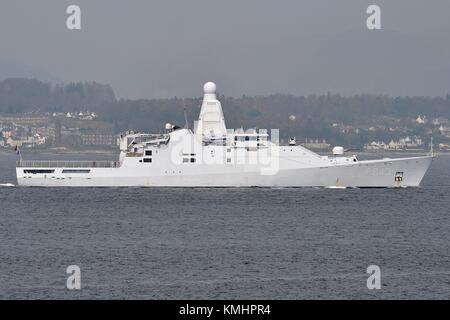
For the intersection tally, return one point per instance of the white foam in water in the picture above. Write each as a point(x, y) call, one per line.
point(336, 187)
point(7, 185)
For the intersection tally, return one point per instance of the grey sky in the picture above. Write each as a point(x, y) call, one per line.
point(147, 48)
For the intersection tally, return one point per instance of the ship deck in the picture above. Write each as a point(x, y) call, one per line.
point(67, 164)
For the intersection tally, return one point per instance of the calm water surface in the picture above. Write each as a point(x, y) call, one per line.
point(252, 243)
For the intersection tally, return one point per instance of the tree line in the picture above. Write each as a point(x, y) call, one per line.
point(310, 116)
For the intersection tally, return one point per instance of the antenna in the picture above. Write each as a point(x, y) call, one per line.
point(431, 147)
point(186, 123)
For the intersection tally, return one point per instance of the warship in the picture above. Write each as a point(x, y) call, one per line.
point(210, 155)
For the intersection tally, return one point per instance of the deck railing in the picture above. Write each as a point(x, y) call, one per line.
point(67, 164)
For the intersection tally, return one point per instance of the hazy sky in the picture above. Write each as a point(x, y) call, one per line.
point(160, 48)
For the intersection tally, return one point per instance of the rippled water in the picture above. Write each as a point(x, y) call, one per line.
point(252, 243)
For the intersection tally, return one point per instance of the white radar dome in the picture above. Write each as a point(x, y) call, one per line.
point(209, 87)
point(338, 151)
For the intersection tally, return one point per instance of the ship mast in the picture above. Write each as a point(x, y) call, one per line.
point(186, 123)
point(211, 122)
point(431, 147)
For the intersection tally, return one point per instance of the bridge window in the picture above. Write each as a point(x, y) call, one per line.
point(76, 171)
point(148, 152)
point(188, 160)
point(147, 159)
point(37, 171)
